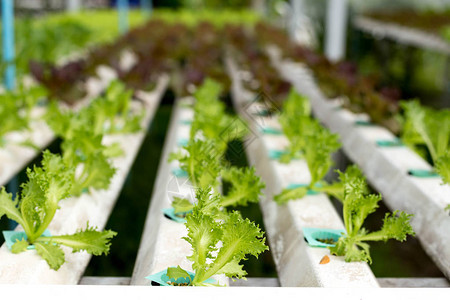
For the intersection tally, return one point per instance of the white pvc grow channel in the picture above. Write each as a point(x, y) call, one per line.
point(402, 34)
point(74, 212)
point(162, 245)
point(385, 168)
point(298, 264)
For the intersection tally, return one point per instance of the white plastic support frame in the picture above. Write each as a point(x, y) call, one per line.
point(162, 244)
point(74, 213)
point(336, 29)
point(402, 34)
point(385, 168)
point(297, 263)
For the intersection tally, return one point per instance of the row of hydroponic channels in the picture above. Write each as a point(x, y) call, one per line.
point(192, 235)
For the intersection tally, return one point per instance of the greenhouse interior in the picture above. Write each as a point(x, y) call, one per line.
point(265, 146)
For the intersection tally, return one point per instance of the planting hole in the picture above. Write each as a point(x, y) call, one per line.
point(327, 238)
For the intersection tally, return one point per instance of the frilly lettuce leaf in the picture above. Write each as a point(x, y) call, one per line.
point(239, 237)
point(8, 207)
point(443, 167)
point(51, 253)
point(46, 186)
point(357, 206)
point(246, 186)
point(290, 194)
point(19, 246)
point(426, 126)
point(202, 162)
point(90, 240)
point(177, 272)
point(317, 152)
point(181, 205)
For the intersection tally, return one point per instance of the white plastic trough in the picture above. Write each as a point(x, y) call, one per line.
point(297, 263)
point(385, 168)
point(402, 34)
point(95, 207)
point(162, 245)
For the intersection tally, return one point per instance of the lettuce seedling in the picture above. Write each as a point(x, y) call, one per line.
point(426, 126)
point(202, 162)
point(36, 207)
point(211, 120)
point(211, 131)
point(318, 148)
point(296, 123)
point(86, 153)
point(108, 114)
point(112, 113)
point(16, 107)
point(218, 246)
point(245, 187)
point(357, 205)
point(443, 167)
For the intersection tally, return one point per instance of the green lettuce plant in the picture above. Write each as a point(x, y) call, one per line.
point(358, 204)
point(425, 126)
point(443, 167)
point(36, 206)
point(218, 245)
point(210, 118)
point(202, 162)
point(318, 149)
point(86, 153)
point(245, 187)
point(296, 122)
point(203, 157)
point(16, 107)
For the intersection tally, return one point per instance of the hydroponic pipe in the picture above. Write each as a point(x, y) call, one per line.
point(8, 42)
point(123, 6)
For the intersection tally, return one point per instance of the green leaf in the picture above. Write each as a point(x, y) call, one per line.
point(396, 226)
point(233, 269)
point(337, 188)
point(290, 194)
point(352, 250)
point(357, 206)
point(29, 143)
point(177, 272)
point(19, 246)
point(240, 237)
point(46, 186)
point(53, 254)
point(15, 107)
point(426, 126)
point(237, 237)
point(318, 151)
point(97, 173)
point(114, 150)
point(8, 207)
point(208, 91)
point(246, 186)
point(90, 240)
point(203, 230)
point(297, 105)
point(181, 205)
point(202, 162)
point(443, 167)
point(297, 124)
point(84, 150)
